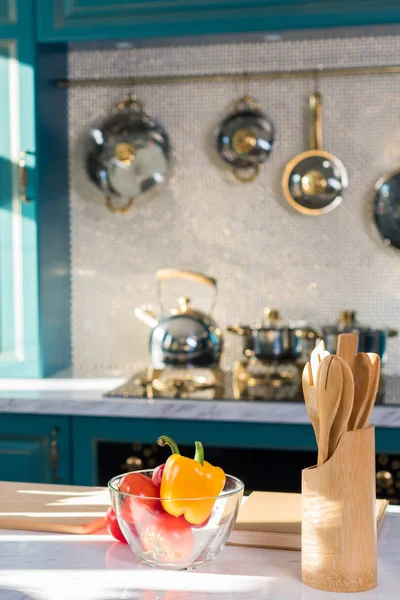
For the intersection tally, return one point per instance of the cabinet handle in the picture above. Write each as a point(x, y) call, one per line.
point(54, 454)
point(23, 177)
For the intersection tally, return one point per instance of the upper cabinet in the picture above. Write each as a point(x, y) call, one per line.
point(64, 20)
point(8, 13)
point(34, 296)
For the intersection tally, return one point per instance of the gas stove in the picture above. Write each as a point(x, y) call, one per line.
point(250, 380)
point(174, 382)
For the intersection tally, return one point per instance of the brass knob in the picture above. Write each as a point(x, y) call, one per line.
point(184, 303)
point(347, 318)
point(271, 314)
point(384, 479)
point(125, 152)
point(244, 140)
point(313, 183)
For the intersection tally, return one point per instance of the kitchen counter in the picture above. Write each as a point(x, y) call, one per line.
point(85, 398)
point(36, 566)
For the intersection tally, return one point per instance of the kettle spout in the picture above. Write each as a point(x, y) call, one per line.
point(146, 316)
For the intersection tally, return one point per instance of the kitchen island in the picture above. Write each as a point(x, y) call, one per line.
point(36, 566)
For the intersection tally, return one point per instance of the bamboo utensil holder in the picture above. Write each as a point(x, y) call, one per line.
point(339, 551)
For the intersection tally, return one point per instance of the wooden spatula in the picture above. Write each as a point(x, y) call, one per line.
point(347, 347)
point(329, 392)
point(362, 370)
point(310, 398)
point(375, 375)
point(341, 420)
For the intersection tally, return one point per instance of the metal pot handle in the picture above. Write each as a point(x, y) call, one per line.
point(133, 103)
point(316, 121)
point(254, 172)
point(236, 329)
point(307, 333)
point(118, 210)
point(167, 274)
point(247, 102)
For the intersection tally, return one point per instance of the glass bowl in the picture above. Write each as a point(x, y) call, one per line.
point(163, 541)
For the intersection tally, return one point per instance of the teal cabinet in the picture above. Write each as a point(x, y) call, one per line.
point(112, 19)
point(88, 432)
point(34, 448)
point(34, 278)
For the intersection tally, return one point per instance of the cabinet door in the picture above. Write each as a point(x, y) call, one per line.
point(18, 234)
point(34, 448)
point(107, 19)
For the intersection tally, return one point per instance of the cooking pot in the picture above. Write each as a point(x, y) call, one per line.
point(185, 336)
point(272, 340)
point(128, 154)
point(245, 139)
point(369, 339)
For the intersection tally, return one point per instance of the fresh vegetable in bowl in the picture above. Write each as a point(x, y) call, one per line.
point(187, 478)
point(178, 515)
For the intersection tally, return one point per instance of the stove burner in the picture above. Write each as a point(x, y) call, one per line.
point(256, 379)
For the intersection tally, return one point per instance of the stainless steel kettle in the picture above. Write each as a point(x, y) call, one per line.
point(185, 337)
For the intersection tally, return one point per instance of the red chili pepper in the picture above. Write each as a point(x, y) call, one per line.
point(169, 539)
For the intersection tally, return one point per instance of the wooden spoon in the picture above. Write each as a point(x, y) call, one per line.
point(310, 397)
point(317, 355)
point(347, 347)
point(329, 392)
point(375, 375)
point(362, 370)
point(341, 421)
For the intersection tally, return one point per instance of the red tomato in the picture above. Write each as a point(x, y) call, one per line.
point(135, 511)
point(169, 539)
point(157, 475)
point(113, 527)
point(140, 485)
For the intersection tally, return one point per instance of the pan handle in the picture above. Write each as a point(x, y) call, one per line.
point(316, 121)
point(236, 329)
point(118, 210)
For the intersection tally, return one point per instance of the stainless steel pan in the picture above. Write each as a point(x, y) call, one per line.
point(313, 181)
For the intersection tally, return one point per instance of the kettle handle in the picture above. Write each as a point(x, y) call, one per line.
point(168, 274)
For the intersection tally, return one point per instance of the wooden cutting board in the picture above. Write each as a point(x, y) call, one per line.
point(273, 520)
point(55, 508)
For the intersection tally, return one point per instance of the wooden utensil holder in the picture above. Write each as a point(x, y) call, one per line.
point(338, 547)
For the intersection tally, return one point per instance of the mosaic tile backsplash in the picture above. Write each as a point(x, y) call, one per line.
point(262, 252)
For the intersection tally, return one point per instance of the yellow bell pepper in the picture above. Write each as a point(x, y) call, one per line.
point(189, 486)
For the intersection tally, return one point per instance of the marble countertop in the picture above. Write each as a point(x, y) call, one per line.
point(85, 398)
point(35, 566)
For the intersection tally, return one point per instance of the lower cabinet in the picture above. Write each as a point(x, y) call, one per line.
point(34, 448)
point(105, 446)
point(90, 450)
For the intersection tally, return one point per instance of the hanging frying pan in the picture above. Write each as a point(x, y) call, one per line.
point(387, 208)
point(313, 181)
